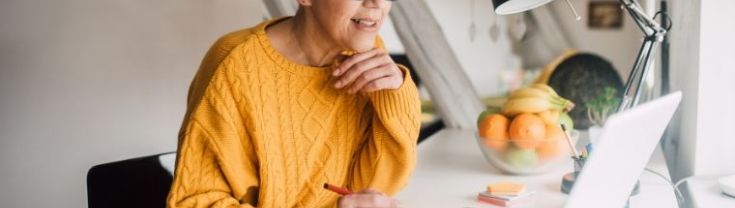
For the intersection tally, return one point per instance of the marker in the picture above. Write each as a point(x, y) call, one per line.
point(337, 189)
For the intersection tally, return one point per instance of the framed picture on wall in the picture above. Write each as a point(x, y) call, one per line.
point(605, 15)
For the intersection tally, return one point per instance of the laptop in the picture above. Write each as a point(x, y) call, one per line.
point(626, 143)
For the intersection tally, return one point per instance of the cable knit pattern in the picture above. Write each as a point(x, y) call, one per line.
point(263, 131)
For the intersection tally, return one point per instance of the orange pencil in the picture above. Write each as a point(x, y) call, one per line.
point(337, 189)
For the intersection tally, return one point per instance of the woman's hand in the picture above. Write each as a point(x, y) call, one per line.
point(368, 72)
point(367, 198)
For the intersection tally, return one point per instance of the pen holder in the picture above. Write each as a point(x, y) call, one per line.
point(567, 181)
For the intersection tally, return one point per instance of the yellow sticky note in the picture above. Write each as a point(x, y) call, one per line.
point(505, 188)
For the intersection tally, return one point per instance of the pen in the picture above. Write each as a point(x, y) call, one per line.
point(337, 189)
point(575, 154)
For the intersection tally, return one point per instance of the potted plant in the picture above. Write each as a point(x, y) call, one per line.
point(600, 108)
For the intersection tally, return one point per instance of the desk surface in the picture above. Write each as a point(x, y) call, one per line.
point(706, 192)
point(451, 170)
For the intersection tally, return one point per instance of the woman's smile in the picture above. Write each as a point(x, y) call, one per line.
point(365, 24)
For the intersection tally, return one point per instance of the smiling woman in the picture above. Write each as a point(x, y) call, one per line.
point(280, 109)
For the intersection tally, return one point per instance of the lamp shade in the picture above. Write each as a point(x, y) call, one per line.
point(503, 7)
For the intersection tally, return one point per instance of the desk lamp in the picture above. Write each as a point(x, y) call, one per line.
point(654, 34)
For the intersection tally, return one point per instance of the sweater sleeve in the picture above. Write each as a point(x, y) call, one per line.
point(387, 159)
point(216, 165)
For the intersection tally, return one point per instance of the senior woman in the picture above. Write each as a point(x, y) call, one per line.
point(280, 109)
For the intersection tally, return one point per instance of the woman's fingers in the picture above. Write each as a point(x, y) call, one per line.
point(367, 72)
point(347, 64)
point(367, 198)
point(359, 68)
point(369, 76)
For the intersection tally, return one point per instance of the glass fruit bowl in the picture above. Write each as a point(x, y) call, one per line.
point(524, 157)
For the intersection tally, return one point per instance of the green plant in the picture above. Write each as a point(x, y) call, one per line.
point(602, 106)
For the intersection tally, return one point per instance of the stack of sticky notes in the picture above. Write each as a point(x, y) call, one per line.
point(505, 194)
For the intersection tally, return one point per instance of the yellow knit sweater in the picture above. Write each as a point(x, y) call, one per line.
point(261, 130)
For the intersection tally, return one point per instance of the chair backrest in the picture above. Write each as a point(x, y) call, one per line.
point(138, 182)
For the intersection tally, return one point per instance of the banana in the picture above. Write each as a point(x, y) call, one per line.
point(531, 92)
point(535, 105)
point(529, 105)
point(566, 105)
point(546, 88)
point(537, 98)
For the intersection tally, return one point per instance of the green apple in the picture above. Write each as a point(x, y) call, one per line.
point(565, 119)
point(521, 158)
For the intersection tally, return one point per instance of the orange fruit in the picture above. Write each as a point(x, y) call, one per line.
point(494, 129)
point(497, 144)
point(554, 145)
point(488, 111)
point(527, 131)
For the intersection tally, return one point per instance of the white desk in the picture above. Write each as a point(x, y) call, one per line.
point(705, 192)
point(451, 171)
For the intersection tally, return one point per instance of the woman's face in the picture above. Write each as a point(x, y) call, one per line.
point(352, 24)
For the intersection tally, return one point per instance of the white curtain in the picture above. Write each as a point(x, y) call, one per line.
point(543, 41)
point(549, 26)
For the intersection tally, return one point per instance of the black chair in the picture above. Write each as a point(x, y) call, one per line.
point(140, 182)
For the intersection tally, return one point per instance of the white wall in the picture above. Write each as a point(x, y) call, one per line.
point(84, 82)
point(716, 108)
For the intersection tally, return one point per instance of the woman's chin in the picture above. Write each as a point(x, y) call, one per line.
point(362, 46)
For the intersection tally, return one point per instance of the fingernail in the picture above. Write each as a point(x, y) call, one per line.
point(336, 72)
point(338, 84)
